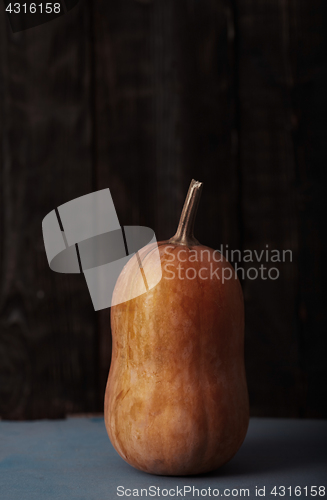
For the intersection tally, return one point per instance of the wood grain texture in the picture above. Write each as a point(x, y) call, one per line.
point(47, 323)
point(269, 208)
point(275, 55)
point(209, 125)
point(308, 62)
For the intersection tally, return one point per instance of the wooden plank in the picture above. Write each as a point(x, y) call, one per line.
point(307, 28)
point(209, 128)
point(164, 113)
point(269, 208)
point(281, 65)
point(47, 353)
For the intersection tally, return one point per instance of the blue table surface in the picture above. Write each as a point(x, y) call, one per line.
point(74, 459)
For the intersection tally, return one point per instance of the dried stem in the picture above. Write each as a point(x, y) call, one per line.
point(184, 234)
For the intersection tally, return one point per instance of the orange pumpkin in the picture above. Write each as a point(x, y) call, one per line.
point(176, 401)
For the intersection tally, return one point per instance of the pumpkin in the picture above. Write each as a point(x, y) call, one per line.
point(176, 401)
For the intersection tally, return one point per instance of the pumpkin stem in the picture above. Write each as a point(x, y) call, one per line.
point(184, 234)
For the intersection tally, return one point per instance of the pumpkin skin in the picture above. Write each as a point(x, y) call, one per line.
point(176, 401)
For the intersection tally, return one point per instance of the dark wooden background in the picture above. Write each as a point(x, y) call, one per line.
point(140, 96)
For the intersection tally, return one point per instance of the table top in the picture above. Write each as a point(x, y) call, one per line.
point(74, 459)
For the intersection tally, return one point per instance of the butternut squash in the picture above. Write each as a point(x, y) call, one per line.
point(176, 401)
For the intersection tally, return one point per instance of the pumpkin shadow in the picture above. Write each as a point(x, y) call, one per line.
point(276, 451)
